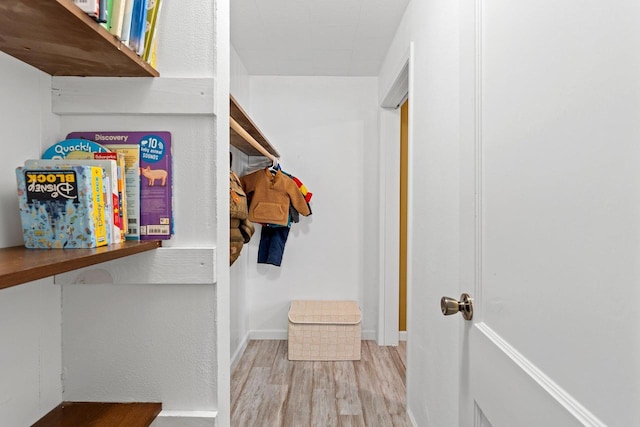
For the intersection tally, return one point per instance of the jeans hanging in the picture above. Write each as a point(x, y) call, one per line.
point(272, 241)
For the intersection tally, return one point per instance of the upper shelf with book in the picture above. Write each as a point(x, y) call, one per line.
point(56, 37)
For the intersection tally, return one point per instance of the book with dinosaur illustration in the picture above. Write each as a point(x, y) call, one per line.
point(154, 176)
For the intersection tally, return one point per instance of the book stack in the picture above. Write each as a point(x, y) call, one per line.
point(133, 22)
point(86, 194)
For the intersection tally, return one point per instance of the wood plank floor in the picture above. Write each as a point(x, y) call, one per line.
point(268, 390)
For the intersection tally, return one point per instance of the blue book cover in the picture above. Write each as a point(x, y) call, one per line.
point(138, 25)
point(62, 209)
point(102, 13)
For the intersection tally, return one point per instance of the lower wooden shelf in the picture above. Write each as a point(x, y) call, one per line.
point(21, 265)
point(98, 414)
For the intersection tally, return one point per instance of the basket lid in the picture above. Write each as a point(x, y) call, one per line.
point(325, 312)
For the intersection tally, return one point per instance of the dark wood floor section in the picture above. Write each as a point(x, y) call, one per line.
point(268, 390)
point(78, 414)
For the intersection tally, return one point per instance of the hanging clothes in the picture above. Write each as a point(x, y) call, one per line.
point(275, 202)
point(240, 229)
point(272, 242)
point(294, 216)
point(273, 192)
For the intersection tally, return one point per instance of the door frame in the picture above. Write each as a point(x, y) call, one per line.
point(389, 207)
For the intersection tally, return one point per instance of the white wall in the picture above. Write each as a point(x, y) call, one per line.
point(326, 131)
point(239, 86)
point(240, 89)
point(433, 190)
point(30, 328)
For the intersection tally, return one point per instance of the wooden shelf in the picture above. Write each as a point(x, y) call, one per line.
point(239, 115)
point(97, 414)
point(56, 37)
point(20, 265)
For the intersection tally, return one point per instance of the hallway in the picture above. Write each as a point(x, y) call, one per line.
point(269, 390)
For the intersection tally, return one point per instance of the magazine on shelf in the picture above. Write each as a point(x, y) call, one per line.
point(62, 208)
point(154, 174)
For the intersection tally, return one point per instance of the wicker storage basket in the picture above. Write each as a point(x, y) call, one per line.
point(324, 330)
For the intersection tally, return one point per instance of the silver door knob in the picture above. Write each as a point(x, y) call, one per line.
point(451, 306)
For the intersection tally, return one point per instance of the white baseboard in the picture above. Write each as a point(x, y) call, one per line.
point(273, 334)
point(241, 348)
point(276, 334)
point(369, 335)
point(402, 335)
point(411, 418)
point(188, 414)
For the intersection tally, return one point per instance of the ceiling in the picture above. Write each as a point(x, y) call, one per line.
point(314, 37)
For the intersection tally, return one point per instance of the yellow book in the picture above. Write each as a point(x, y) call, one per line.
point(99, 202)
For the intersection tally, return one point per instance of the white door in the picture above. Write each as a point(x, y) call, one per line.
point(550, 213)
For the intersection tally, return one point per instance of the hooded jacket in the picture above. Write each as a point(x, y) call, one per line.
point(272, 195)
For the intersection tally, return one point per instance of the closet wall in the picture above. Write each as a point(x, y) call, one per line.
point(434, 176)
point(239, 88)
point(326, 130)
point(30, 335)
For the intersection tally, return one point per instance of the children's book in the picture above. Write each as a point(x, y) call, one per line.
point(62, 208)
point(138, 26)
point(153, 11)
point(154, 176)
point(103, 11)
point(129, 155)
point(107, 14)
point(117, 17)
point(126, 20)
point(112, 204)
point(65, 148)
point(90, 7)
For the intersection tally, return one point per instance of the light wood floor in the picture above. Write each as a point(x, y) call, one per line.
point(268, 390)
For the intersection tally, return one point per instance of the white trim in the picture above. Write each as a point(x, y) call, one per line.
point(368, 335)
point(414, 423)
point(239, 351)
point(218, 100)
point(274, 334)
point(278, 334)
point(399, 90)
point(402, 335)
point(389, 207)
point(162, 266)
point(133, 95)
point(410, 219)
point(582, 414)
point(188, 414)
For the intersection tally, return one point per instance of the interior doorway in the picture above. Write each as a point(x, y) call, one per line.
point(402, 274)
point(395, 206)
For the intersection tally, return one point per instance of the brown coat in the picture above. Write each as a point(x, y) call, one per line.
point(240, 229)
point(271, 197)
